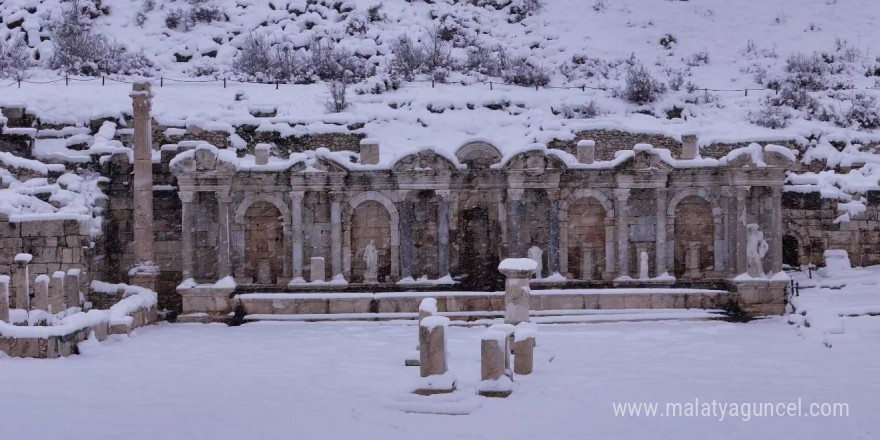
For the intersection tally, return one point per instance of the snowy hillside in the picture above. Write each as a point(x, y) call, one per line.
point(802, 71)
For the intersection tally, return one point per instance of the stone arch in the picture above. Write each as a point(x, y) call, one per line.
point(393, 226)
point(478, 155)
point(719, 244)
point(243, 269)
point(805, 247)
point(264, 252)
point(694, 231)
point(603, 250)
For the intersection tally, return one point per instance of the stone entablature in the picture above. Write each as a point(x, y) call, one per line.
point(431, 216)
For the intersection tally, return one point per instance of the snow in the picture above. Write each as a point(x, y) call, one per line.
point(517, 264)
point(23, 258)
point(430, 322)
point(428, 305)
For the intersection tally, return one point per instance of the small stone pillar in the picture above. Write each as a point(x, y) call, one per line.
point(587, 263)
point(524, 349)
point(41, 293)
point(56, 293)
point(4, 298)
point(432, 357)
point(428, 307)
point(369, 151)
point(508, 330)
point(586, 151)
point(318, 274)
point(516, 288)
point(261, 154)
point(21, 281)
point(688, 146)
point(71, 288)
point(692, 260)
point(493, 368)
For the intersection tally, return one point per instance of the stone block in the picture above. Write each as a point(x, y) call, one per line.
point(637, 301)
point(349, 305)
point(561, 302)
point(611, 301)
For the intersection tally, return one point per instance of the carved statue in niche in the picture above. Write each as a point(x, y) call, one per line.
point(371, 259)
point(756, 248)
point(535, 253)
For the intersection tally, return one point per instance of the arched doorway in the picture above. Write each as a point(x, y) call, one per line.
point(790, 248)
point(586, 239)
point(694, 237)
point(478, 267)
point(264, 243)
point(370, 221)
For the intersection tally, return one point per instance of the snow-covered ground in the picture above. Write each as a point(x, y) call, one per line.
point(347, 380)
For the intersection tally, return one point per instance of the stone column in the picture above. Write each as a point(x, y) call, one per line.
point(406, 244)
point(71, 288)
point(223, 266)
point(443, 235)
point(660, 240)
point(523, 350)
point(143, 172)
point(692, 260)
point(432, 356)
point(428, 307)
point(56, 293)
point(4, 298)
point(553, 242)
point(296, 234)
point(775, 240)
point(186, 232)
point(519, 272)
point(21, 281)
point(610, 248)
point(493, 365)
point(336, 234)
point(742, 196)
point(514, 201)
point(622, 215)
point(41, 293)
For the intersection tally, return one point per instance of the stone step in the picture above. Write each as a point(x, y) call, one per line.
point(479, 302)
point(488, 318)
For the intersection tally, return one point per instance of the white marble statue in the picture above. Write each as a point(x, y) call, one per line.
point(535, 253)
point(643, 266)
point(756, 248)
point(371, 258)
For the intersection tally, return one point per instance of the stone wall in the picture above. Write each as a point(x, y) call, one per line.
point(55, 245)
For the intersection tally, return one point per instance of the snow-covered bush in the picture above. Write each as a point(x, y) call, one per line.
point(255, 58)
point(437, 55)
point(81, 50)
point(806, 72)
point(14, 59)
point(205, 11)
point(770, 116)
point(378, 84)
point(330, 62)
point(174, 18)
point(522, 72)
point(408, 58)
point(520, 9)
point(698, 59)
point(864, 112)
point(586, 110)
point(640, 87)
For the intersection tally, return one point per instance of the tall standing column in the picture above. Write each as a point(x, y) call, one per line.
point(660, 240)
point(186, 232)
point(296, 233)
point(336, 234)
point(443, 234)
point(514, 200)
point(742, 194)
point(776, 229)
point(406, 244)
point(223, 266)
point(143, 173)
point(622, 210)
point(553, 235)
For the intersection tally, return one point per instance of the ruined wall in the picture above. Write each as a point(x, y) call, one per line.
point(55, 245)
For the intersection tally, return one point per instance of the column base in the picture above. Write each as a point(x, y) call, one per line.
point(206, 298)
point(761, 296)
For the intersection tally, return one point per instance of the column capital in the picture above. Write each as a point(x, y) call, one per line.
point(443, 194)
point(515, 194)
point(186, 196)
point(554, 193)
point(223, 196)
point(297, 196)
point(622, 194)
point(336, 196)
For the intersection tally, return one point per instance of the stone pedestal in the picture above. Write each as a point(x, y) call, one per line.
point(56, 292)
point(586, 151)
point(261, 154)
point(428, 307)
point(493, 359)
point(209, 299)
point(432, 357)
point(4, 298)
point(41, 293)
point(692, 260)
point(147, 279)
point(71, 288)
point(523, 351)
point(688, 146)
point(317, 273)
point(516, 288)
point(369, 151)
point(587, 263)
point(762, 296)
point(21, 281)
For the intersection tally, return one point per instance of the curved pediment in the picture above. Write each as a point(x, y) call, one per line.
point(534, 162)
point(425, 162)
point(478, 155)
point(204, 158)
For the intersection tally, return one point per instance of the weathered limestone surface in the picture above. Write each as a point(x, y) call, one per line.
point(72, 288)
point(433, 357)
point(4, 298)
point(493, 365)
point(41, 293)
point(56, 292)
point(516, 288)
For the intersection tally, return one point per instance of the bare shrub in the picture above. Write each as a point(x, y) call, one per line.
point(806, 72)
point(698, 59)
point(770, 116)
point(522, 72)
point(438, 58)
point(338, 101)
point(797, 99)
point(408, 58)
point(640, 87)
point(255, 58)
point(865, 112)
point(521, 9)
point(587, 110)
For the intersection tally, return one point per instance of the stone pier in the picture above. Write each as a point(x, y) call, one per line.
point(143, 185)
point(4, 298)
point(428, 307)
point(523, 349)
point(317, 270)
point(56, 292)
point(21, 281)
point(41, 293)
point(71, 288)
point(493, 365)
point(432, 357)
point(516, 288)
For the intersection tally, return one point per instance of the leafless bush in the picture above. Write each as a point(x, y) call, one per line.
point(640, 87)
point(408, 58)
point(520, 9)
point(771, 117)
point(807, 72)
point(697, 59)
point(865, 112)
point(14, 59)
point(255, 58)
point(329, 62)
point(438, 58)
point(337, 101)
point(522, 72)
point(587, 110)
